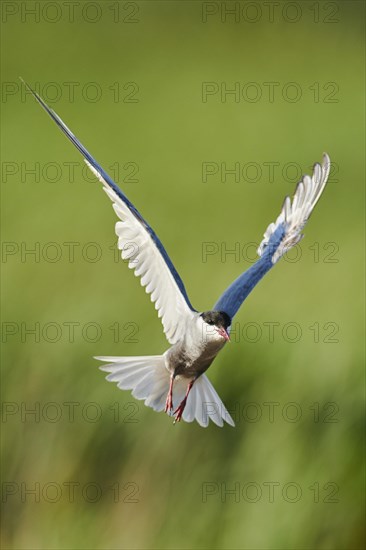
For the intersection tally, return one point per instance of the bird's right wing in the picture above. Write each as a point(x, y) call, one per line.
point(141, 247)
point(279, 237)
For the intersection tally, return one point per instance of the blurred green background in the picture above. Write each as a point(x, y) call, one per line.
point(138, 71)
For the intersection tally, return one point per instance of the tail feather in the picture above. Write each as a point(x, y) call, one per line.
point(189, 413)
point(204, 404)
point(143, 387)
point(146, 376)
point(149, 379)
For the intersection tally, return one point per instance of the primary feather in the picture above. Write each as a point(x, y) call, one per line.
point(295, 214)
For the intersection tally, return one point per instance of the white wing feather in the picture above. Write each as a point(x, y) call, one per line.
point(143, 256)
point(295, 215)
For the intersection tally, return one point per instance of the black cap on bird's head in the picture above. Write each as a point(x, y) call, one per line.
point(218, 319)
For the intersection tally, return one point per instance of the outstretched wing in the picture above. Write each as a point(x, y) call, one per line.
point(279, 237)
point(141, 247)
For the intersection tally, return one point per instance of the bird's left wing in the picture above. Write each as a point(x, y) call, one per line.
point(279, 237)
point(141, 247)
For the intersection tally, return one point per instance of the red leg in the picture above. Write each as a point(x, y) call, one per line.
point(179, 410)
point(169, 397)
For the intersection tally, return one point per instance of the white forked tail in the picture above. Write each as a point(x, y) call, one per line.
point(149, 379)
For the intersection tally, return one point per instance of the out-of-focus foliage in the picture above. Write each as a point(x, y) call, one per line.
point(292, 375)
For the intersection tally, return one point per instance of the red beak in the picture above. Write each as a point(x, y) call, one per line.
point(224, 334)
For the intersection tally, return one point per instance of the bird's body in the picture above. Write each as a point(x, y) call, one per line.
point(192, 356)
point(176, 381)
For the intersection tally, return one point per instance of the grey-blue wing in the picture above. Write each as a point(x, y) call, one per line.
point(233, 297)
point(279, 237)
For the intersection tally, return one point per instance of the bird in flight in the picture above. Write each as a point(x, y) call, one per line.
point(176, 381)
